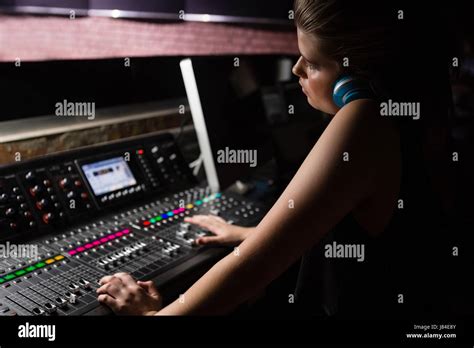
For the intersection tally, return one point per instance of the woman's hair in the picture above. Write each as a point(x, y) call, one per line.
point(361, 31)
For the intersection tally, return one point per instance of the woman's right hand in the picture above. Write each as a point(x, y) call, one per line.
point(224, 233)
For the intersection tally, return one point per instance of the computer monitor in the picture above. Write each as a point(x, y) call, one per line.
point(225, 98)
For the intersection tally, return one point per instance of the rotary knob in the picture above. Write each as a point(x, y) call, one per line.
point(63, 183)
point(30, 176)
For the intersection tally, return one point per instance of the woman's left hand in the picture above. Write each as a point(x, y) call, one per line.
point(125, 296)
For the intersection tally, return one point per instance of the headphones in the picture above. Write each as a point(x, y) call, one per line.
point(348, 88)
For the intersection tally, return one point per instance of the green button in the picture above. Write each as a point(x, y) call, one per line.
point(40, 264)
point(198, 202)
point(2, 280)
point(10, 276)
point(30, 269)
point(152, 221)
point(158, 218)
point(20, 272)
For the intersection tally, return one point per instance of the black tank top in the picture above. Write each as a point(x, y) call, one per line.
point(393, 280)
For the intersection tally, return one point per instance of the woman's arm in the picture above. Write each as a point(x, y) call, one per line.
point(336, 176)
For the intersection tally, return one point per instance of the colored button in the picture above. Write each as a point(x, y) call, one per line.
point(49, 261)
point(126, 231)
point(2, 280)
point(198, 202)
point(170, 213)
point(164, 216)
point(72, 252)
point(152, 221)
point(88, 246)
point(40, 264)
point(96, 242)
point(30, 269)
point(146, 223)
point(158, 218)
point(103, 240)
point(59, 257)
point(10, 276)
point(189, 206)
point(80, 249)
point(20, 272)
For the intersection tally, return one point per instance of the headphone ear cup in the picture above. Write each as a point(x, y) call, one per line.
point(348, 88)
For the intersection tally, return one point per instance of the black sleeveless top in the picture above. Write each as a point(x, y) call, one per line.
point(393, 280)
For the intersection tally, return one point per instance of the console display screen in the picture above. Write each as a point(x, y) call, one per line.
point(109, 175)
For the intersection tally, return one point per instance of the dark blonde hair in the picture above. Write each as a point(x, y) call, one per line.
point(358, 30)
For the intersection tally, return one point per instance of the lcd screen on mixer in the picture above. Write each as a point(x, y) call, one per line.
point(109, 175)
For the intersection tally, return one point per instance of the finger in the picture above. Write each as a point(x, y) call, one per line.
point(197, 218)
point(219, 219)
point(200, 220)
point(111, 289)
point(109, 301)
point(149, 287)
point(211, 240)
point(106, 279)
point(210, 218)
point(126, 278)
point(211, 223)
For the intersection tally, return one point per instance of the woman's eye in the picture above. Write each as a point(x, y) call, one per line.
point(312, 66)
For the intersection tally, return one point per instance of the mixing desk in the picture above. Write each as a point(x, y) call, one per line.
point(83, 214)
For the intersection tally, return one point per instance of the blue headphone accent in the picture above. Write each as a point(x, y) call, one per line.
point(348, 88)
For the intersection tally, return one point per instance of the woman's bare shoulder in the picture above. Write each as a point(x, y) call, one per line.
point(363, 118)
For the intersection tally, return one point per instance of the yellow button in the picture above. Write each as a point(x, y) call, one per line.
point(59, 257)
point(189, 206)
point(49, 261)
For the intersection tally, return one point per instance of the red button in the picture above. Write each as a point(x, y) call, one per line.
point(47, 218)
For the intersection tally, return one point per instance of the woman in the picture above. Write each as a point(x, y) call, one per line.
point(351, 181)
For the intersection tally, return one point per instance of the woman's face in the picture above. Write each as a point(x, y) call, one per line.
point(317, 74)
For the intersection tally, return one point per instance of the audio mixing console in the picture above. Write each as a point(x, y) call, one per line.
point(99, 210)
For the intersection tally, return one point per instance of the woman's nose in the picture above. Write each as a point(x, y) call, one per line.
point(296, 68)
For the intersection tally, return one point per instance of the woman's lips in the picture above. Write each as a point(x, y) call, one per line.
point(302, 88)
